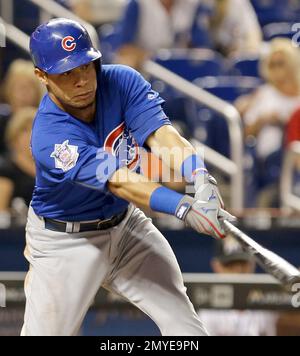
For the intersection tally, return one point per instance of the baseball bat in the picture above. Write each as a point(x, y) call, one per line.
point(276, 266)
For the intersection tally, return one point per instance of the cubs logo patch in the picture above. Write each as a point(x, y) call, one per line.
point(65, 156)
point(121, 143)
point(68, 43)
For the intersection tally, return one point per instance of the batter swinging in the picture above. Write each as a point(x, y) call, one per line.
point(84, 230)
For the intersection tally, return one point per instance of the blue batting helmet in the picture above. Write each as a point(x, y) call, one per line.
point(61, 45)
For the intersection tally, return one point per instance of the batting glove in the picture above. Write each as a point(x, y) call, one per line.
point(204, 213)
point(203, 216)
point(206, 188)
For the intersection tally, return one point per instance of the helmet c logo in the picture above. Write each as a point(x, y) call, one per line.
point(68, 43)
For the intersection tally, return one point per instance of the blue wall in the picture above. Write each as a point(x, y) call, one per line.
point(193, 251)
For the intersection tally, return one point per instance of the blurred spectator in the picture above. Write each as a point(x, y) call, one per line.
point(95, 11)
point(228, 26)
point(21, 88)
point(231, 259)
point(17, 168)
point(82, 8)
point(148, 26)
point(266, 112)
point(269, 108)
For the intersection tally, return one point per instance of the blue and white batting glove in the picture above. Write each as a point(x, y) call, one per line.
point(206, 210)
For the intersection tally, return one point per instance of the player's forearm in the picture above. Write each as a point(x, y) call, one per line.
point(132, 187)
point(170, 146)
point(144, 193)
point(175, 151)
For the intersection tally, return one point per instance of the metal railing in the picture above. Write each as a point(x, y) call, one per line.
point(288, 198)
point(16, 36)
point(233, 167)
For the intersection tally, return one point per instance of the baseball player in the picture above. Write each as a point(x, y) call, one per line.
point(84, 230)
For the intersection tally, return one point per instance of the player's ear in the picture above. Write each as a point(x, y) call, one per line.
point(42, 76)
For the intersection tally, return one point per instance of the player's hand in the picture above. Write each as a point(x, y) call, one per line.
point(203, 216)
point(206, 188)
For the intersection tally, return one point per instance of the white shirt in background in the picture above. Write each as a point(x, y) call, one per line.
point(239, 323)
point(269, 100)
point(238, 26)
point(103, 11)
point(157, 28)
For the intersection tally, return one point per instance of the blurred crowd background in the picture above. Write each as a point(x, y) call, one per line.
point(245, 52)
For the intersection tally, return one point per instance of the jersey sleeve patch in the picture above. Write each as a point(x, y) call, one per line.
point(65, 156)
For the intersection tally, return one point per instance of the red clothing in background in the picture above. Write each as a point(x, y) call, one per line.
point(293, 128)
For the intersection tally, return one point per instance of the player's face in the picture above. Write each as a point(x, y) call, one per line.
point(76, 88)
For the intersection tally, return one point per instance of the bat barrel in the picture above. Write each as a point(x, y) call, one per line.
point(284, 272)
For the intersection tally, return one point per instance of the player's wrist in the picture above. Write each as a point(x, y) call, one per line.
point(193, 167)
point(165, 200)
point(184, 206)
